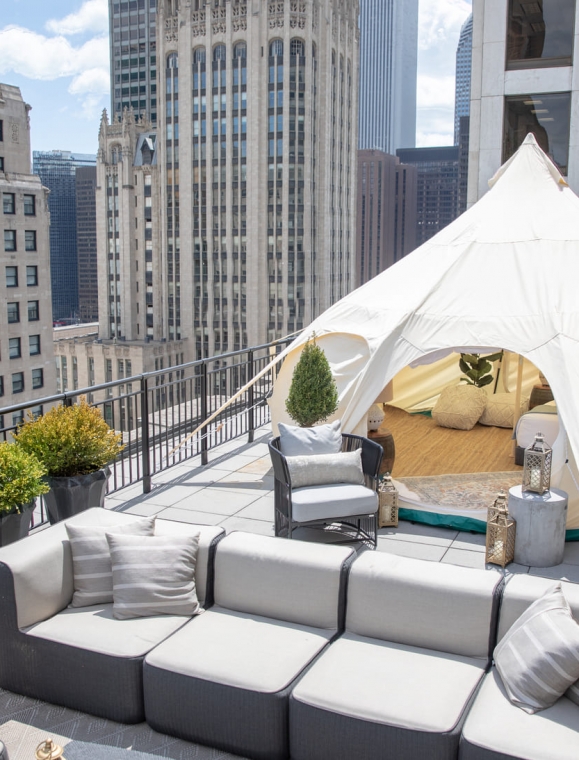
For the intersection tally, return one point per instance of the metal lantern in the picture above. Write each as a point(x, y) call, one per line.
point(48, 750)
point(388, 503)
point(537, 466)
point(500, 546)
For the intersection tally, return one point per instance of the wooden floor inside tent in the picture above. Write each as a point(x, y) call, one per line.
point(423, 448)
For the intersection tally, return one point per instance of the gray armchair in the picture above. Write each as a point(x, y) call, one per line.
point(351, 510)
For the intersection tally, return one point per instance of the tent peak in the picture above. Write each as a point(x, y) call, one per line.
point(530, 149)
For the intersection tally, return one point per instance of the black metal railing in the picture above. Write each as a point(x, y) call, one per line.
point(158, 412)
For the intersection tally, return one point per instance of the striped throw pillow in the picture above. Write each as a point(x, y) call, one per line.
point(91, 558)
point(538, 658)
point(153, 575)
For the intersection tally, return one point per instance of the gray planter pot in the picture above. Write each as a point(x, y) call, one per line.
point(15, 526)
point(69, 496)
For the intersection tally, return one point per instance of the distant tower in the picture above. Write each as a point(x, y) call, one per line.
point(86, 243)
point(57, 171)
point(463, 71)
point(133, 44)
point(388, 52)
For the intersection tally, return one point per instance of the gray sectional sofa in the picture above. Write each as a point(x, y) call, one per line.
point(304, 651)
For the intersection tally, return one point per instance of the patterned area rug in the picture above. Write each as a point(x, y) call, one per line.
point(476, 490)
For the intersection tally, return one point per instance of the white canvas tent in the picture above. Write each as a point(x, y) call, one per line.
point(504, 274)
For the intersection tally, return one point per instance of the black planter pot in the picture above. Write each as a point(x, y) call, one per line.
point(69, 496)
point(15, 526)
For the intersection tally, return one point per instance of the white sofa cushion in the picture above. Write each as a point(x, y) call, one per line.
point(494, 723)
point(322, 469)
point(287, 580)
point(459, 407)
point(424, 604)
point(95, 629)
point(333, 501)
point(300, 441)
point(538, 658)
point(91, 558)
point(153, 575)
point(236, 649)
point(391, 684)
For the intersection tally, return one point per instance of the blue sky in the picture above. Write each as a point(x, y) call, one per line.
point(56, 51)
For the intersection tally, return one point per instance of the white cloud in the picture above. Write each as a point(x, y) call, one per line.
point(92, 16)
point(435, 91)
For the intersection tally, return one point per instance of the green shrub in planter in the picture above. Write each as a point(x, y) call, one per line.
point(313, 395)
point(21, 481)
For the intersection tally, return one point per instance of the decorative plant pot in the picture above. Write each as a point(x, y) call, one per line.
point(16, 525)
point(71, 495)
point(375, 417)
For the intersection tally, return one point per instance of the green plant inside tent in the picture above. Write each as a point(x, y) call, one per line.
point(478, 369)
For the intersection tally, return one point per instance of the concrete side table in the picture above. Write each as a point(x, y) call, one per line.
point(541, 521)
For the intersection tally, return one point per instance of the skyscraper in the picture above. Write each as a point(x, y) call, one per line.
point(388, 53)
point(26, 352)
point(233, 222)
point(85, 184)
point(57, 171)
point(463, 72)
point(133, 45)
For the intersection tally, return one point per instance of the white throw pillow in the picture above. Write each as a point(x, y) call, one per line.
point(153, 575)
point(538, 658)
point(324, 469)
point(459, 407)
point(91, 558)
point(320, 439)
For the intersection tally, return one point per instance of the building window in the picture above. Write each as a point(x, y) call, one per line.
point(296, 47)
point(276, 49)
point(540, 33)
point(29, 205)
point(32, 276)
point(240, 50)
point(29, 240)
point(18, 382)
point(1, 163)
point(17, 418)
point(219, 53)
point(34, 344)
point(1, 131)
point(33, 313)
point(37, 378)
point(1, 385)
point(14, 348)
point(37, 411)
point(547, 116)
point(9, 240)
point(8, 203)
point(13, 312)
point(11, 277)
point(199, 55)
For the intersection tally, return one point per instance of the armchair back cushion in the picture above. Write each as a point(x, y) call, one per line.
point(293, 581)
point(325, 469)
point(320, 439)
point(422, 604)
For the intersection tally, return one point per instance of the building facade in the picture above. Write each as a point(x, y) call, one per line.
point(86, 244)
point(233, 223)
point(57, 172)
point(26, 351)
point(463, 75)
point(133, 45)
point(524, 79)
point(437, 188)
point(388, 65)
point(386, 219)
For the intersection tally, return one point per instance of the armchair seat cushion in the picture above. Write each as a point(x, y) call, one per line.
point(391, 684)
point(239, 650)
point(338, 500)
point(497, 728)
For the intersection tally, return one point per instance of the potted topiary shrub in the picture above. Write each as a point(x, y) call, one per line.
point(313, 395)
point(21, 481)
point(75, 445)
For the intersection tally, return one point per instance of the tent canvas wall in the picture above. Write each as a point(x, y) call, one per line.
point(505, 273)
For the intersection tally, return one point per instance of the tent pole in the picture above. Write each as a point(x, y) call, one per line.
point(517, 409)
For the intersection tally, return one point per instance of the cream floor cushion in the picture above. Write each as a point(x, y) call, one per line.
point(500, 410)
point(459, 407)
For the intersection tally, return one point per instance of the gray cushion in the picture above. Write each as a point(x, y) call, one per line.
point(391, 684)
point(91, 558)
point(494, 723)
point(287, 580)
point(236, 649)
point(424, 604)
point(538, 658)
point(153, 575)
point(332, 501)
point(322, 469)
point(320, 439)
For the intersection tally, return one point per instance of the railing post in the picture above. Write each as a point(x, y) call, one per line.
point(250, 399)
point(145, 441)
point(204, 414)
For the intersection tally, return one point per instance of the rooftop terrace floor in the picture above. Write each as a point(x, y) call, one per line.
point(235, 491)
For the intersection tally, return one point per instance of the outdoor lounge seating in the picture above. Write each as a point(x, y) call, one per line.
point(348, 508)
